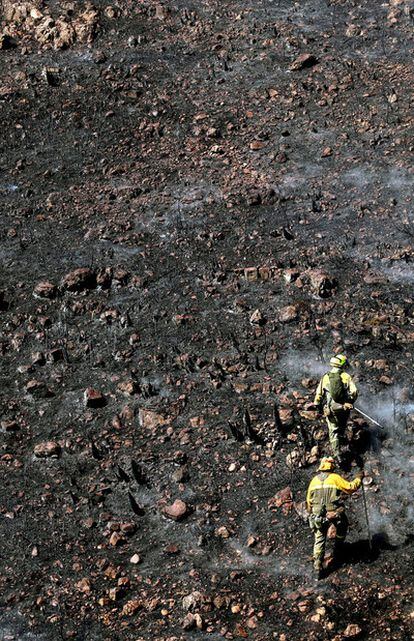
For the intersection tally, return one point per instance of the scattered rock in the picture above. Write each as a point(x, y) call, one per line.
point(38, 389)
point(192, 601)
point(116, 539)
point(286, 417)
point(257, 318)
point(251, 541)
point(255, 145)
point(84, 585)
point(322, 284)
point(38, 358)
point(79, 280)
point(288, 314)
point(223, 532)
point(129, 388)
point(47, 449)
point(9, 426)
point(94, 398)
point(304, 61)
point(192, 621)
point(177, 511)
point(352, 631)
point(45, 289)
point(326, 152)
point(135, 559)
point(131, 607)
point(282, 499)
point(150, 419)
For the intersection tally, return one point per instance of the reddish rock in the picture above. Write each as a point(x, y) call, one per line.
point(104, 278)
point(79, 280)
point(150, 419)
point(191, 621)
point(37, 389)
point(326, 152)
point(177, 511)
point(304, 61)
point(135, 559)
point(10, 426)
point(120, 276)
point(84, 585)
point(116, 539)
point(44, 321)
point(351, 631)
point(223, 532)
point(252, 623)
point(128, 528)
point(47, 449)
point(309, 415)
point(182, 319)
point(322, 284)
point(38, 358)
point(283, 499)
point(45, 289)
point(131, 607)
point(257, 318)
point(94, 398)
point(255, 145)
point(286, 416)
point(129, 388)
point(193, 600)
point(134, 338)
point(116, 593)
point(288, 314)
point(290, 275)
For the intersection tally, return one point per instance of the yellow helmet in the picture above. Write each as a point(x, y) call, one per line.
point(327, 464)
point(339, 360)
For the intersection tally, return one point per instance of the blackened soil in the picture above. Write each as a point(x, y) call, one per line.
point(172, 148)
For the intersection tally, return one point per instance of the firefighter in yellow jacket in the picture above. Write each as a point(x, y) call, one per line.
point(324, 505)
point(335, 396)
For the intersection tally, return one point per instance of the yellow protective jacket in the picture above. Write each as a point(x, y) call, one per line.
point(323, 388)
point(325, 490)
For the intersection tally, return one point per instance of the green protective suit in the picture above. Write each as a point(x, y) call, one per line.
point(337, 418)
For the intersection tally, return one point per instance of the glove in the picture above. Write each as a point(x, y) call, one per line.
point(348, 406)
point(360, 475)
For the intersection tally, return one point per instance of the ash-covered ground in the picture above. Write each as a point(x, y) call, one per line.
point(200, 203)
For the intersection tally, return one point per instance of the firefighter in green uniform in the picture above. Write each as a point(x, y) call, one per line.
point(323, 502)
point(335, 396)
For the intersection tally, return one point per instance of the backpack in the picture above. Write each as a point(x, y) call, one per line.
point(337, 388)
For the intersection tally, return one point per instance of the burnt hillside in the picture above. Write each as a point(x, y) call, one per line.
point(200, 203)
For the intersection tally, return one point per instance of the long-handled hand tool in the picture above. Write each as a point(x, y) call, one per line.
point(364, 498)
point(369, 418)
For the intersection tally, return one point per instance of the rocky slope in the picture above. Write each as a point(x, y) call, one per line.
point(200, 202)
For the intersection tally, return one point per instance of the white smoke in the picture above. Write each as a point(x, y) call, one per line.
point(303, 364)
point(389, 498)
